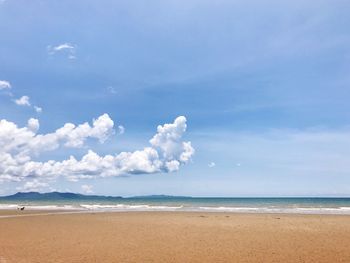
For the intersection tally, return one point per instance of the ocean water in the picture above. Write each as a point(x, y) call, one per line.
point(238, 205)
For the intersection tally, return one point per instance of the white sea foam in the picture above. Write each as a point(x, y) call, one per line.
point(124, 207)
point(190, 208)
point(282, 210)
point(8, 206)
point(37, 207)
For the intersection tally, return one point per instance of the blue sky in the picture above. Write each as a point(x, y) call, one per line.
point(264, 87)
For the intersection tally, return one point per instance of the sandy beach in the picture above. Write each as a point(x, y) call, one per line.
point(173, 237)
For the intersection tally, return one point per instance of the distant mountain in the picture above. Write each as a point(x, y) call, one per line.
point(158, 197)
point(35, 196)
point(55, 196)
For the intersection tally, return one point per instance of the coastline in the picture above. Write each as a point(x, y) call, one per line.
point(96, 208)
point(174, 237)
point(72, 202)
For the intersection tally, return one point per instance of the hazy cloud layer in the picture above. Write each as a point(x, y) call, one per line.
point(87, 189)
point(34, 185)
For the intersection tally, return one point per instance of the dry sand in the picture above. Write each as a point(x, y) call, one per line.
point(174, 237)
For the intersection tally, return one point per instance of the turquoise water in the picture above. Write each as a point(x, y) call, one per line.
point(239, 205)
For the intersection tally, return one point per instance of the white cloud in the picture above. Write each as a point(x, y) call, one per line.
point(121, 129)
point(19, 145)
point(34, 185)
point(25, 141)
point(33, 125)
point(168, 141)
point(38, 109)
point(23, 101)
point(65, 48)
point(4, 84)
point(87, 189)
point(211, 164)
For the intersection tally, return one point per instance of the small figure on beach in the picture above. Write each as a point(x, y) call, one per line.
point(20, 208)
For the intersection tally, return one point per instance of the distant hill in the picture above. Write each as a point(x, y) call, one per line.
point(55, 196)
point(35, 196)
point(158, 197)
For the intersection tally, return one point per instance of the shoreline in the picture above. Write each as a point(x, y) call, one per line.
point(4, 214)
point(190, 204)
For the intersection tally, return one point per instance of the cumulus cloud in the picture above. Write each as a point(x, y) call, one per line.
point(167, 141)
point(4, 84)
point(87, 189)
point(19, 145)
point(166, 153)
point(65, 48)
point(25, 142)
point(23, 101)
point(33, 125)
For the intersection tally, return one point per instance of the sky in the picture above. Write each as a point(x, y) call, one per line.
point(198, 98)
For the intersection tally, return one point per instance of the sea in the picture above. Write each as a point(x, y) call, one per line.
point(192, 204)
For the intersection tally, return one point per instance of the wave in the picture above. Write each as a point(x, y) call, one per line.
point(37, 207)
point(281, 210)
point(184, 208)
point(124, 207)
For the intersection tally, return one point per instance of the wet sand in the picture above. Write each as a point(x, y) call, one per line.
point(173, 237)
